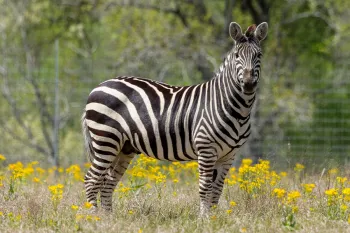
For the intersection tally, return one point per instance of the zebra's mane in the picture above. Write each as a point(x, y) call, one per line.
point(224, 64)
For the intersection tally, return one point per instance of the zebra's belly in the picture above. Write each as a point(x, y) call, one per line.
point(164, 144)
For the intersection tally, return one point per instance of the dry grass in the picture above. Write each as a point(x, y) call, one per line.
point(170, 206)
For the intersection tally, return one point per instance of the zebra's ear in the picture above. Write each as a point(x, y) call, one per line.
point(261, 31)
point(235, 31)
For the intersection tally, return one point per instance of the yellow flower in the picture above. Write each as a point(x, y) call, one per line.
point(75, 207)
point(1, 213)
point(87, 205)
point(75, 171)
point(243, 229)
point(331, 192)
point(295, 209)
point(2, 157)
point(280, 193)
point(131, 212)
point(233, 203)
point(229, 211)
point(308, 188)
point(246, 162)
point(346, 193)
point(343, 207)
point(333, 171)
point(40, 170)
point(56, 193)
point(36, 180)
point(293, 196)
point(299, 167)
point(341, 180)
point(283, 174)
point(91, 218)
point(175, 181)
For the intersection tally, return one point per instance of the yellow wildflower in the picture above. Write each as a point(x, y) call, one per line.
point(246, 162)
point(280, 193)
point(343, 207)
point(308, 188)
point(299, 167)
point(87, 205)
point(56, 192)
point(229, 211)
point(131, 212)
point(75, 207)
point(346, 193)
point(175, 181)
point(2, 157)
point(233, 203)
point(331, 196)
point(333, 171)
point(295, 209)
point(40, 170)
point(341, 180)
point(331, 192)
point(293, 196)
point(36, 180)
point(283, 174)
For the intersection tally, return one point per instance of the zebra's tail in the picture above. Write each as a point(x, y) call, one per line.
point(87, 138)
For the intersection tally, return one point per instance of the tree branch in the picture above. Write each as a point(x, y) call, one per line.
point(175, 11)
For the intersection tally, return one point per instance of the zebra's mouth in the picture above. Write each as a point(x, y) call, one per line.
point(249, 88)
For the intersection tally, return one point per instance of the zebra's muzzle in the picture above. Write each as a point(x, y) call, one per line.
point(249, 82)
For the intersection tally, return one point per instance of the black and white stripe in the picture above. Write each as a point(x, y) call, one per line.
point(207, 122)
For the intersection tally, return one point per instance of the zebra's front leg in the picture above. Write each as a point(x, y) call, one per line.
point(113, 176)
point(220, 171)
point(206, 165)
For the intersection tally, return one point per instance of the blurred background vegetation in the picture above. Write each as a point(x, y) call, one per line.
point(53, 52)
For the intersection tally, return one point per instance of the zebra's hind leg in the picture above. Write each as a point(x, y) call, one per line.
point(103, 158)
point(93, 182)
point(112, 177)
point(220, 171)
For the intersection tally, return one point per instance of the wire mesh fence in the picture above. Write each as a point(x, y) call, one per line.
point(313, 127)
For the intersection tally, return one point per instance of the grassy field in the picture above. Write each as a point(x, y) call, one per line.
point(158, 197)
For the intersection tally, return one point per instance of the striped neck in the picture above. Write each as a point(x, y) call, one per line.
point(228, 89)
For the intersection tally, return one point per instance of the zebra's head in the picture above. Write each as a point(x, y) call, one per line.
point(247, 55)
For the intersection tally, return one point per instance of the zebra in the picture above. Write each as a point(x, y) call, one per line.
point(207, 122)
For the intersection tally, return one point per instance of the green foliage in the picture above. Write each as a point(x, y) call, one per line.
point(182, 43)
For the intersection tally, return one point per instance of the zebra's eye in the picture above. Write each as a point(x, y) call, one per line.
point(236, 55)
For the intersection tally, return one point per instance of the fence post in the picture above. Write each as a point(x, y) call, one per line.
point(56, 116)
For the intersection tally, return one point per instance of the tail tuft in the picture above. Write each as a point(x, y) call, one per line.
point(87, 138)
